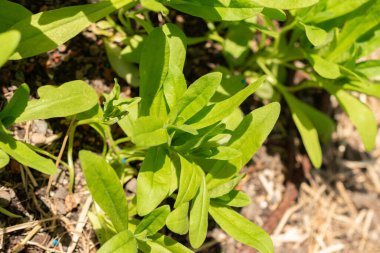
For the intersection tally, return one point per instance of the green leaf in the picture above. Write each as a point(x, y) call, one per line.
point(370, 68)
point(315, 35)
point(285, 4)
point(133, 48)
point(306, 128)
point(353, 29)
point(215, 10)
point(372, 89)
point(8, 41)
point(155, 6)
point(24, 155)
point(148, 132)
point(189, 182)
point(241, 229)
point(8, 213)
point(225, 188)
point(325, 68)
point(334, 9)
point(126, 70)
point(236, 44)
point(178, 221)
point(154, 221)
point(175, 83)
point(218, 111)
point(218, 153)
point(101, 228)
point(154, 64)
point(10, 14)
point(105, 188)
point(199, 216)
point(359, 113)
point(68, 99)
point(153, 183)
point(234, 198)
point(162, 244)
point(274, 13)
point(4, 159)
point(45, 31)
point(196, 97)
point(116, 107)
point(121, 243)
point(15, 106)
point(247, 138)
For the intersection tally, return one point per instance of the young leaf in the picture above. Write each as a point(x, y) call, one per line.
point(153, 180)
point(154, 64)
point(102, 230)
point(215, 10)
point(196, 97)
point(199, 216)
point(24, 155)
point(45, 31)
point(286, 4)
point(8, 41)
point(15, 106)
point(241, 229)
point(8, 213)
point(189, 182)
point(162, 244)
point(306, 128)
point(105, 188)
point(218, 111)
point(315, 35)
point(324, 67)
point(121, 243)
point(247, 138)
point(234, 198)
point(360, 115)
point(10, 14)
point(178, 221)
point(4, 159)
point(68, 99)
point(153, 221)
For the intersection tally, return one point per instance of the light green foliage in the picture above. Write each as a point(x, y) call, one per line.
point(215, 10)
point(120, 243)
point(241, 229)
point(153, 221)
point(286, 4)
point(9, 41)
point(65, 100)
point(105, 188)
point(4, 159)
point(46, 30)
point(178, 221)
point(153, 180)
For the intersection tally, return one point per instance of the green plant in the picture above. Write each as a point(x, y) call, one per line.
point(192, 152)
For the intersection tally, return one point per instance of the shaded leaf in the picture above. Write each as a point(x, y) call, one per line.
point(15, 106)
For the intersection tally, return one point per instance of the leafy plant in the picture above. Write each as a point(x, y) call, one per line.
point(192, 154)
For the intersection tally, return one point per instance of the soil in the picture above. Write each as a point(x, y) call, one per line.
point(333, 209)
